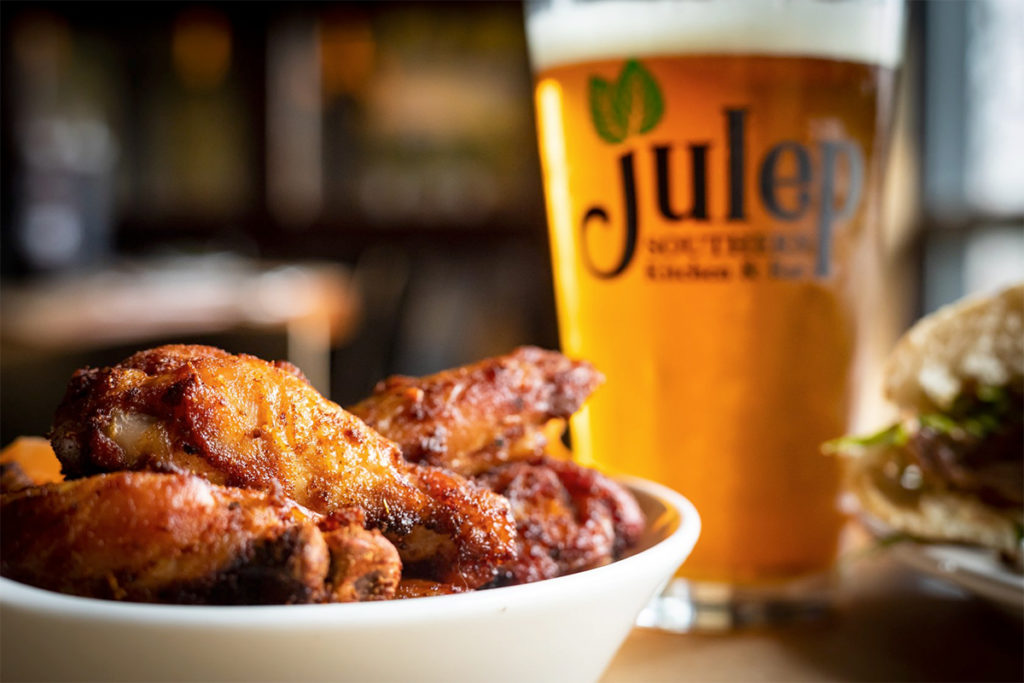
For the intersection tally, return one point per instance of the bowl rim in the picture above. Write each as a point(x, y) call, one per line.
point(677, 544)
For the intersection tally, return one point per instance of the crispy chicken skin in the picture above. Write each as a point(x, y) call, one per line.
point(570, 517)
point(241, 421)
point(149, 537)
point(472, 418)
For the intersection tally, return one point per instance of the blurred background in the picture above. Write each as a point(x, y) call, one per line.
point(355, 186)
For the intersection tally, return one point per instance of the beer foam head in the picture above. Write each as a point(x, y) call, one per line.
point(567, 32)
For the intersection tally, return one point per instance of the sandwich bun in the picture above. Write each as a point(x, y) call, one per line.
point(977, 341)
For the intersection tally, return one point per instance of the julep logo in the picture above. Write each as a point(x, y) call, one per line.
point(792, 178)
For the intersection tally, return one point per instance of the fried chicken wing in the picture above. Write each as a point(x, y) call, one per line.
point(488, 420)
point(241, 421)
point(150, 537)
point(570, 517)
point(474, 417)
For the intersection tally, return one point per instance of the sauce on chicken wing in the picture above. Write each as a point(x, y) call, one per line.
point(570, 518)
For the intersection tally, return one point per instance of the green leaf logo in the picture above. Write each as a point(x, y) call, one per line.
point(631, 105)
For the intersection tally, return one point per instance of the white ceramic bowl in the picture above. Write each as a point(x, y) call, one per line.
point(563, 629)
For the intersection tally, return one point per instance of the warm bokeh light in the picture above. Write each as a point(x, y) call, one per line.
point(347, 51)
point(42, 43)
point(201, 48)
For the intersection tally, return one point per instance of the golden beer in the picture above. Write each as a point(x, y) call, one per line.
point(711, 220)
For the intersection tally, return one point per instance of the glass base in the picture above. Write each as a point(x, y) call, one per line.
point(704, 607)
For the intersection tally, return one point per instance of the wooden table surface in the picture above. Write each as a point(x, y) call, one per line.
point(890, 624)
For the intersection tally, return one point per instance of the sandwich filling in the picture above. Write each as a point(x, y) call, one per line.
point(973, 449)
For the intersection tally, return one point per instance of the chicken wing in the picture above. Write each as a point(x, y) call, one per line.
point(490, 420)
point(474, 417)
point(241, 421)
point(570, 517)
point(150, 537)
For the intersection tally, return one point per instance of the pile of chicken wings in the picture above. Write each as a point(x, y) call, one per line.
point(191, 475)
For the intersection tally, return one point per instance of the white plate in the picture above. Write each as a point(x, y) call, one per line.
point(563, 629)
point(975, 570)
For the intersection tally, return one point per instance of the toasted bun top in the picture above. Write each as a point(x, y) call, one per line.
point(976, 341)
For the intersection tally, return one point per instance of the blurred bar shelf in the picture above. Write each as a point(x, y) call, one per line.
point(316, 305)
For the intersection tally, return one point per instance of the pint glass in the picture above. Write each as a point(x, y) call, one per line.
point(712, 174)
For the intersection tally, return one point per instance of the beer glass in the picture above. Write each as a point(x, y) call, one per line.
point(712, 172)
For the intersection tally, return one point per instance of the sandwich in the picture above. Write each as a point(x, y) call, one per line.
point(951, 468)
